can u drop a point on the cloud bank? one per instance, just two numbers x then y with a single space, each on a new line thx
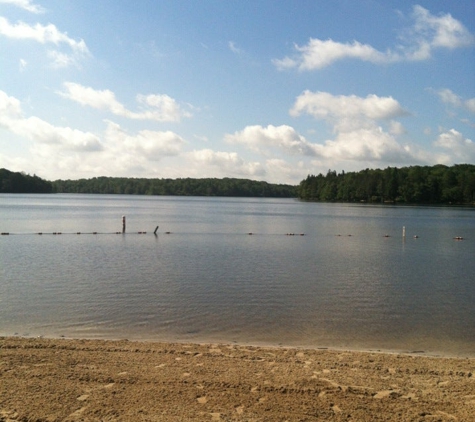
115 151
38 130
354 121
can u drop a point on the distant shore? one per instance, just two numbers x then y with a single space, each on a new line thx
89 380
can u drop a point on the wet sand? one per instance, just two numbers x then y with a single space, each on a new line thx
96 380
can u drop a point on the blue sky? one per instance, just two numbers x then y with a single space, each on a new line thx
257 89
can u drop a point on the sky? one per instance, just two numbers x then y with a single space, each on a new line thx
263 89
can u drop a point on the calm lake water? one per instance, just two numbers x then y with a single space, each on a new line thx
341 285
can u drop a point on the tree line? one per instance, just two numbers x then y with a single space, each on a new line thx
184 187
14 182
437 184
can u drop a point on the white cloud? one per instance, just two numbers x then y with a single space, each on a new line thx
396 128
366 144
226 164
323 105
160 108
38 130
282 171
22 65
321 53
67 152
462 150
233 47
450 98
428 32
441 31
123 154
10 107
40 33
102 100
355 122
261 139
47 34
60 60
357 135
163 108
24 4
370 143
470 104
147 144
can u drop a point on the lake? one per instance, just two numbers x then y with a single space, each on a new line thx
310 274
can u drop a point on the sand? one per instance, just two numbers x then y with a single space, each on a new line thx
95 380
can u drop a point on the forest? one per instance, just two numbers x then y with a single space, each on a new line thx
183 187
14 182
437 184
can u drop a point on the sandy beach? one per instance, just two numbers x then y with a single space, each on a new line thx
95 380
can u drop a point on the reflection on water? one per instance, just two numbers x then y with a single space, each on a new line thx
342 284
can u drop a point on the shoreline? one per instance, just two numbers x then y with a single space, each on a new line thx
79 379
465 354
